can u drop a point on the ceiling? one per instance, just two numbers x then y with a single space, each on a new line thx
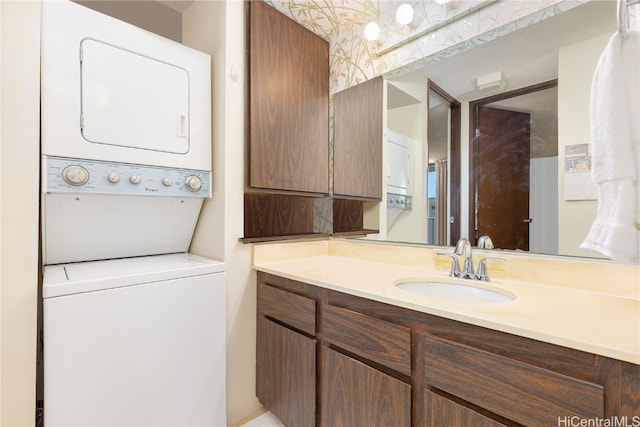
179 5
526 56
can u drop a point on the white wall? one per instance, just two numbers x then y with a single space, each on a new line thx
217 28
576 65
19 187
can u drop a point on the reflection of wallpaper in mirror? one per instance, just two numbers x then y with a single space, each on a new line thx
353 59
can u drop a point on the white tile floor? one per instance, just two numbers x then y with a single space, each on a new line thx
264 420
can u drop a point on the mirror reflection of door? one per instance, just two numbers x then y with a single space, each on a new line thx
514 164
443 182
502 177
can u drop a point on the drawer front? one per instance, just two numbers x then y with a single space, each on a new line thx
523 393
441 411
294 310
373 339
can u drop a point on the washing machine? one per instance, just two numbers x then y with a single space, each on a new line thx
135 342
133 324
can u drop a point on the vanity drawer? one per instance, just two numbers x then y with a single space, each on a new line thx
376 340
524 393
291 309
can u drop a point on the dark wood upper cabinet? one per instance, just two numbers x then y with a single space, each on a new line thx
357 149
288 104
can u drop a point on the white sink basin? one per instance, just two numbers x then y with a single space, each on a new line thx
455 291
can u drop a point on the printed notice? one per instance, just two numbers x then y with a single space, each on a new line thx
577 173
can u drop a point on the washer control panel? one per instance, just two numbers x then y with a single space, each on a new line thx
66 175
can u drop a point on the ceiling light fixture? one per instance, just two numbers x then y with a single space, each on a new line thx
372 32
404 14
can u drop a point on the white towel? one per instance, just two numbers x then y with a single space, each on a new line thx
615 149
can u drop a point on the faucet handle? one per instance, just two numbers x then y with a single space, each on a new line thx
482 268
455 267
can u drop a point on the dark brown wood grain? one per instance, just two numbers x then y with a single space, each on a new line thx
294 310
277 215
347 215
563 360
608 373
288 103
630 391
524 393
502 157
379 341
299 288
357 145
354 394
441 411
622 382
286 373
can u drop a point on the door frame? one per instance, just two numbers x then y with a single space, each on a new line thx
455 168
473 135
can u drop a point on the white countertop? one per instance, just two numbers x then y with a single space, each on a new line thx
584 319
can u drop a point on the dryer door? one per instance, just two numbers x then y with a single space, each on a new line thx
132 100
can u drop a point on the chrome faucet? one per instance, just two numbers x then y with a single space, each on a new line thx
463 247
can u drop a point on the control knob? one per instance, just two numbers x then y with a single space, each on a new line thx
135 179
113 177
75 175
167 181
193 183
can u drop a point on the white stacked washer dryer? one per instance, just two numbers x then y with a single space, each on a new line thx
134 325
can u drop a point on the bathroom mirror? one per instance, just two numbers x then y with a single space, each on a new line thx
565 48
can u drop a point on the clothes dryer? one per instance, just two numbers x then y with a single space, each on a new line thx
111 91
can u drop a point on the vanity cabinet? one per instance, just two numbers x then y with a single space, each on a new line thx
288 104
380 364
357 145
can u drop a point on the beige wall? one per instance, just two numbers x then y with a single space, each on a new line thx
19 181
217 28
576 65
150 15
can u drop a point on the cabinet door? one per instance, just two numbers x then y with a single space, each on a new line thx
440 411
286 373
524 393
357 147
288 104
354 394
